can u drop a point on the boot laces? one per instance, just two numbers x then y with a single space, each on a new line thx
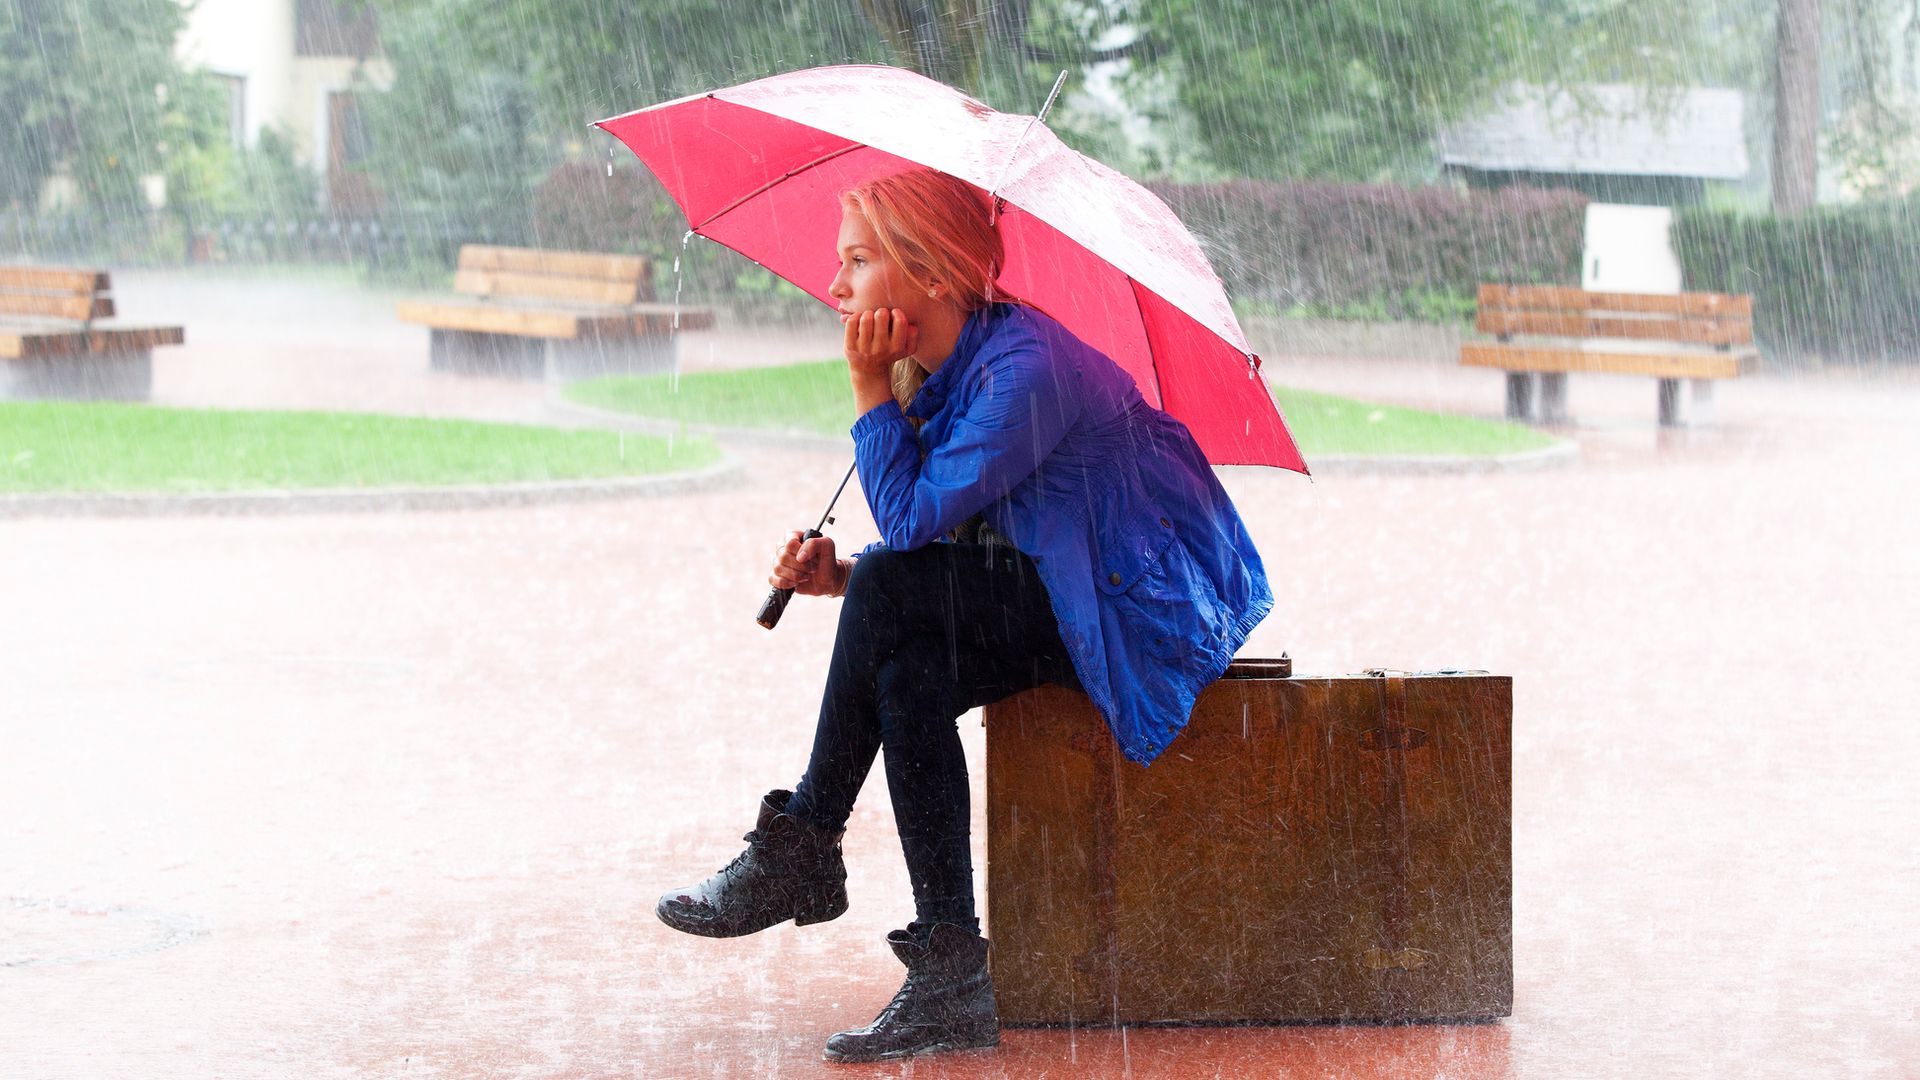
899 1002
733 868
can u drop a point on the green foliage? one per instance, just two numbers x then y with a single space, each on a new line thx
490 95
79 87
207 177
1455 305
1839 283
457 130
1368 252
1302 88
1871 132
1305 88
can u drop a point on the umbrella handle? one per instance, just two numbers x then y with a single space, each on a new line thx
776 603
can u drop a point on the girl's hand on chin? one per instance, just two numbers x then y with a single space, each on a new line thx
875 339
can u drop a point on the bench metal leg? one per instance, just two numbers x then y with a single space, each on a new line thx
1552 404
116 376
1700 402
592 358
1671 414
465 352
1520 395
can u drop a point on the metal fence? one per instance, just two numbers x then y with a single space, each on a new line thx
395 239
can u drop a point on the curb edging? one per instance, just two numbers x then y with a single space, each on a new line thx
726 472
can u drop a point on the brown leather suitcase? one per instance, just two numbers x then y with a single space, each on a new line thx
1314 848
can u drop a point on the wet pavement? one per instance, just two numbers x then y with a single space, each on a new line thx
371 795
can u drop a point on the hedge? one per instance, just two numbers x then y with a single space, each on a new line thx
1375 251
1341 250
586 206
1838 283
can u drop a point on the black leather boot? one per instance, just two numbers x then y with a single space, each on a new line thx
946 1004
790 870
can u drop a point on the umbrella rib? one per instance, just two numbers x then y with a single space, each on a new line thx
781 179
993 200
1152 364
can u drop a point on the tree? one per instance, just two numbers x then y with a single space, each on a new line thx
1302 88
1868 72
1796 109
81 85
490 95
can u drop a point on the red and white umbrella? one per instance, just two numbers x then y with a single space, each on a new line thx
760 167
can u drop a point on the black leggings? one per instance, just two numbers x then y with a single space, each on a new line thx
924 636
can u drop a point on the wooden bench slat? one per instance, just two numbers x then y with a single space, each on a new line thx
1663 365
1578 324
507 284
580 264
53 279
1561 298
81 308
28 345
523 322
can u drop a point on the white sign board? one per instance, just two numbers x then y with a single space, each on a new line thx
1628 250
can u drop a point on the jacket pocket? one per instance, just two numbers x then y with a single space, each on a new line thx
1129 550
1168 617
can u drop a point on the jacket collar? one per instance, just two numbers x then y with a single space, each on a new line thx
934 392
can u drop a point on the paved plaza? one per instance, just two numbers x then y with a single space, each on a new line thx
322 795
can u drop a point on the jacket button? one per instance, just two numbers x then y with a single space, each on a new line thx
1113 578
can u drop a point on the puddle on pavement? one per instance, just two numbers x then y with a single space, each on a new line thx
36 932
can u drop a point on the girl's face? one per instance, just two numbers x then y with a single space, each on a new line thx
867 279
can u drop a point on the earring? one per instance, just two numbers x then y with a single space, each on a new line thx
935 293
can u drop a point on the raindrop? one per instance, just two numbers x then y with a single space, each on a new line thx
677 280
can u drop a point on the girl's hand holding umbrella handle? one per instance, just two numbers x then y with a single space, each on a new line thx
806 564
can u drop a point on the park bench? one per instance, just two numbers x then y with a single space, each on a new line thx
56 340
557 315
1307 849
1699 337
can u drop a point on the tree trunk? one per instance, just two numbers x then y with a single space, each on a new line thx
944 41
1796 106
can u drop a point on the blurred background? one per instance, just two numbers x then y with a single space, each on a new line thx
1352 163
382 789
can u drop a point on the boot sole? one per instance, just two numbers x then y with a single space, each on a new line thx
949 1046
698 927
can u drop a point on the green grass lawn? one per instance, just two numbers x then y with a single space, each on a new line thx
816 397
1330 424
88 447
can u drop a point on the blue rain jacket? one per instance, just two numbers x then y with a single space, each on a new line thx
1150 571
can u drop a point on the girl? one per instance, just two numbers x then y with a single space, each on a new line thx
1040 523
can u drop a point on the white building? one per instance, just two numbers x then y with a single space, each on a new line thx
1615 143
291 65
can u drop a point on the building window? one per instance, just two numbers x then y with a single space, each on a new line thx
236 91
350 192
334 28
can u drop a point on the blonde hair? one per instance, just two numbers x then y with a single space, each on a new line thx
935 227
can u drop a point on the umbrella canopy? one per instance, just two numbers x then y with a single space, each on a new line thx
759 167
